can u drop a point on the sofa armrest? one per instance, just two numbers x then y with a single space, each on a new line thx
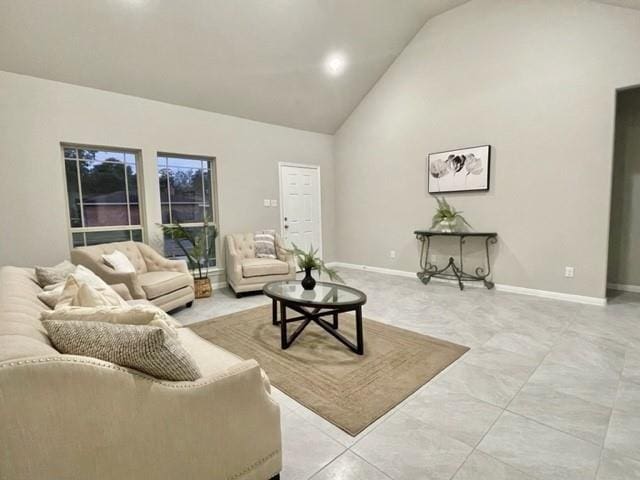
285 255
233 261
157 263
76 418
108 274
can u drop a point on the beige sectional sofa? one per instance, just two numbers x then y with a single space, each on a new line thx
78 418
246 273
165 283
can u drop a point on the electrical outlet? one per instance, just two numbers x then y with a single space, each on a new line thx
392 254
267 203
274 203
569 272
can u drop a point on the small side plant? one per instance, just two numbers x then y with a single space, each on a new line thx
447 218
310 260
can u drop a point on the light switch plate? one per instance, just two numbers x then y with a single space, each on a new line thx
274 203
267 203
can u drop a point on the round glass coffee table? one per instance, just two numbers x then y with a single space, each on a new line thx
326 299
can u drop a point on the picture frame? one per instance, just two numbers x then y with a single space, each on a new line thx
461 170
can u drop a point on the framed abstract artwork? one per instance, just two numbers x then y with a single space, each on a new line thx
462 170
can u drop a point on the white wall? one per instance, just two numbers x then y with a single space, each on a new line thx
535 79
36 115
624 241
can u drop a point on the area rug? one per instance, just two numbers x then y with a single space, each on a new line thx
351 391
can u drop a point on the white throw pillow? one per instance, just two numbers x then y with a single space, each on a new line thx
79 293
119 262
87 296
84 275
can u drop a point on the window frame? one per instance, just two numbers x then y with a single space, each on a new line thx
137 153
213 179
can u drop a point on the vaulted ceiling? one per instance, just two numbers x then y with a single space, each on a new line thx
257 59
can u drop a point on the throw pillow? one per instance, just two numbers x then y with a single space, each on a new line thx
265 244
119 262
78 293
138 315
143 348
52 275
87 296
84 275
50 297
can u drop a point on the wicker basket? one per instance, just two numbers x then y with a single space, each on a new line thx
203 287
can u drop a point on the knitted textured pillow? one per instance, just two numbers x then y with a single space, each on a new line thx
265 244
144 348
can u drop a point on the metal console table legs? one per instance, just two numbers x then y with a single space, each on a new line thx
454 270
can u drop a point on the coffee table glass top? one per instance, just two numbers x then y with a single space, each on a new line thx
324 293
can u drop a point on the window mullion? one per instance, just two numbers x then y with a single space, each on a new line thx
82 219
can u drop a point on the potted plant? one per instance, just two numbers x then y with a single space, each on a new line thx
197 249
447 218
309 261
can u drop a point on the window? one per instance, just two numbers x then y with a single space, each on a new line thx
186 197
102 190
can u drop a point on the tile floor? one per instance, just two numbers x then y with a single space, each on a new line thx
549 390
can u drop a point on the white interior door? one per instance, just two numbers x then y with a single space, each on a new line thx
300 205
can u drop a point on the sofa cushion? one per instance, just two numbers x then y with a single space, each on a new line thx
210 358
258 267
157 284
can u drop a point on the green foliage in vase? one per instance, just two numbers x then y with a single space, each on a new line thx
311 260
197 248
447 213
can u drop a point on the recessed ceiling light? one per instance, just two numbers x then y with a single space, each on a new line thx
335 64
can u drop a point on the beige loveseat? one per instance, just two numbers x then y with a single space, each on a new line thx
246 273
78 418
165 283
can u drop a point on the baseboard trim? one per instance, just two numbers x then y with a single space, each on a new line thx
567 297
624 288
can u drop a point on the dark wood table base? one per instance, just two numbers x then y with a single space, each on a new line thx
315 315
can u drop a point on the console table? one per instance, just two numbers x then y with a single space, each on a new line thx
429 270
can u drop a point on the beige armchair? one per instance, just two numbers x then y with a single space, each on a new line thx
246 273
165 283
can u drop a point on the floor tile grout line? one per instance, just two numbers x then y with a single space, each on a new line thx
506 408
327 464
369 463
551 427
606 433
572 322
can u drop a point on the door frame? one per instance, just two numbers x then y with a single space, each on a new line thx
319 187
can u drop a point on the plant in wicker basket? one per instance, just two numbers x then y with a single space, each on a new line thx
198 247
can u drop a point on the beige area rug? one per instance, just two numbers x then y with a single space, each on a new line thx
349 390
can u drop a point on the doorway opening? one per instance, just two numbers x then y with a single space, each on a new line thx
623 273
